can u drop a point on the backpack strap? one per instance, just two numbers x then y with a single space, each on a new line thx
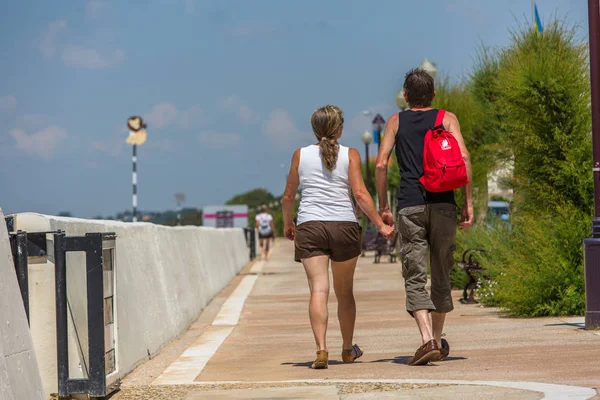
439 120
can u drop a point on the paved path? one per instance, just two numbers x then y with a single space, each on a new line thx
254 341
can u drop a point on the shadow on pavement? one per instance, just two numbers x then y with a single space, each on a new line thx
404 360
573 324
307 364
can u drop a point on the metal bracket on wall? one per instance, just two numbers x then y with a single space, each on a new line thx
24 245
251 241
91 244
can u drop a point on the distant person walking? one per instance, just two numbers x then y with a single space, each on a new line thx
266 231
426 220
328 229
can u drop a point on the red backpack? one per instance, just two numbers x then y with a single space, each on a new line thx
443 165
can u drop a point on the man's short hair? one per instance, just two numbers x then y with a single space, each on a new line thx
418 86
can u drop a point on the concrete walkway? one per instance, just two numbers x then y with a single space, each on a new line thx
255 341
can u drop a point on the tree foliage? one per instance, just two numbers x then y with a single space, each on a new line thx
535 106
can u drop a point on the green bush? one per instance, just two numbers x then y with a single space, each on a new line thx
535 100
538 266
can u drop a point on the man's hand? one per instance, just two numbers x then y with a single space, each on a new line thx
387 217
290 231
467 217
386 230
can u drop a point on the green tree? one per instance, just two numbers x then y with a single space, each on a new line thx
534 96
253 198
546 92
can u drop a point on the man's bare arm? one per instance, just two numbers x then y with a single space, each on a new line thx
452 125
381 165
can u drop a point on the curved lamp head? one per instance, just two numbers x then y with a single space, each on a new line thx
429 67
401 101
137 131
367 137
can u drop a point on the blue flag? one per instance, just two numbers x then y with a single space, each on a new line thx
538 21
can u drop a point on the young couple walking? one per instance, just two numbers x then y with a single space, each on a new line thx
328 230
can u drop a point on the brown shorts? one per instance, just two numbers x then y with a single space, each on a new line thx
341 241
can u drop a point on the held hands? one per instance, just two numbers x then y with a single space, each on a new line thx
387 227
387 217
289 231
467 217
386 230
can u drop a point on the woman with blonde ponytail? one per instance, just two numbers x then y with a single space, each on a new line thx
328 230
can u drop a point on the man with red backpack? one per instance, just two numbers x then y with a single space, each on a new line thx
433 161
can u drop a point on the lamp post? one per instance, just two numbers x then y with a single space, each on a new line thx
137 136
378 125
428 67
367 138
592 245
180 199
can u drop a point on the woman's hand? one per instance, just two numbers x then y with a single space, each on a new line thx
386 230
289 231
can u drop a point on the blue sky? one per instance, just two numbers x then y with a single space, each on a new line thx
226 87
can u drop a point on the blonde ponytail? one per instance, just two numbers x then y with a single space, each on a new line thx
327 123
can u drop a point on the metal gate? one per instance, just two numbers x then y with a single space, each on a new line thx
102 378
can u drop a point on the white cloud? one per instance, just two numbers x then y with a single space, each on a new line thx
95 8
83 57
48 41
112 145
360 122
162 114
78 56
219 140
7 103
190 117
234 104
280 127
165 114
41 143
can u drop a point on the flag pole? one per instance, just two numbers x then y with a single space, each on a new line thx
533 13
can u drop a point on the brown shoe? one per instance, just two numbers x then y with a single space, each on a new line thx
322 360
347 356
445 350
427 352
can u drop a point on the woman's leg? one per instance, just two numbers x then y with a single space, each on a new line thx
261 248
317 272
267 243
343 284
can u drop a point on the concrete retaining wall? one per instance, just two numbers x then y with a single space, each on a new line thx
19 374
165 276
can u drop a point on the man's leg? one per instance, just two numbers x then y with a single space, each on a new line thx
442 244
437 323
424 324
412 226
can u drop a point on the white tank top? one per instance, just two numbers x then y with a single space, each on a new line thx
326 195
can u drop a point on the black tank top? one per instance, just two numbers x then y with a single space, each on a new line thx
410 140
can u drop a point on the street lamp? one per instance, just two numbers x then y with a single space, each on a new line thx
180 199
137 136
401 101
378 125
592 245
367 138
429 67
